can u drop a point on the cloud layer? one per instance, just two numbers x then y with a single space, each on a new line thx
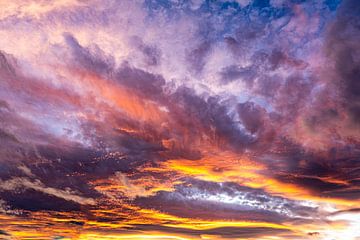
179 119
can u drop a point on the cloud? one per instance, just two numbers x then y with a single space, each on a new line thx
227 201
343 50
223 232
188 119
130 189
15 184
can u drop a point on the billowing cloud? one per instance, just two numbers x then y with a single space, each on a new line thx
179 119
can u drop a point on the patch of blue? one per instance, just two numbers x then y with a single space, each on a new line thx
333 4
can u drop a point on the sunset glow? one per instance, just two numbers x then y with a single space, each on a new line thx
180 119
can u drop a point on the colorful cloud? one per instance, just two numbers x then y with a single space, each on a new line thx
181 119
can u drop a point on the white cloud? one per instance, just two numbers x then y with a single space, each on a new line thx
244 3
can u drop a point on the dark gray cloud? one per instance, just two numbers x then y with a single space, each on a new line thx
343 48
197 56
4 233
93 59
226 201
36 201
151 53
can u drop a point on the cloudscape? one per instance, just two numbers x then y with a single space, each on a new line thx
180 119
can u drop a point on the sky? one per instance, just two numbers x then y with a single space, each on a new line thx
180 119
